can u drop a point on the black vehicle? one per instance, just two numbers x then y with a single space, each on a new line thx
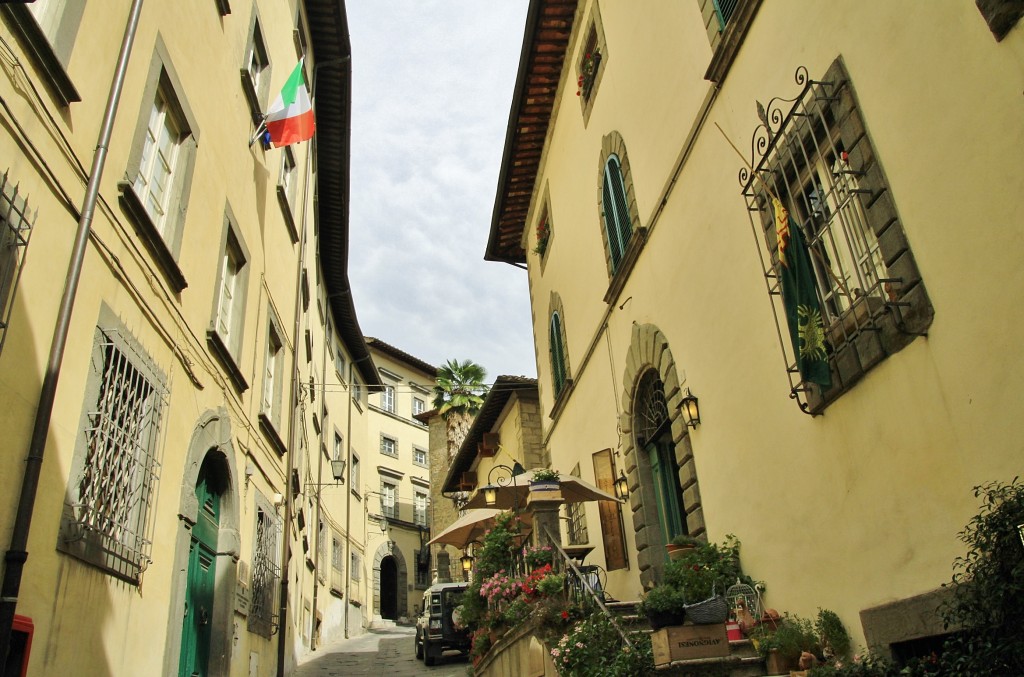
435 631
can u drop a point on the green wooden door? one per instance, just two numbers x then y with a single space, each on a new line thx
202 565
665 474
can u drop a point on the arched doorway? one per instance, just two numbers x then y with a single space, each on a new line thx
654 436
389 588
664 494
202 569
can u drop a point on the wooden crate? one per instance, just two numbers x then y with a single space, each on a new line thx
684 642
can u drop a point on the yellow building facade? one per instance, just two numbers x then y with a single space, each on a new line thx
655 275
187 518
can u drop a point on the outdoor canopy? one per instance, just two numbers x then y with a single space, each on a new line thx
514 493
471 527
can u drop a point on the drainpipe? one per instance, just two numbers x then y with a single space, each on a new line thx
319 487
17 553
296 423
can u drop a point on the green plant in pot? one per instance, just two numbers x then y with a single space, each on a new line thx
681 545
782 645
663 605
835 640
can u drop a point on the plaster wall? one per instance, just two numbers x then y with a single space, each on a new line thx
860 506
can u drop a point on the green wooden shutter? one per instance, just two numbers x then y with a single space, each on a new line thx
618 225
557 354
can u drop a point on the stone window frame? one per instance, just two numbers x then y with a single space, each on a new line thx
79 536
726 40
256 51
649 349
613 144
394 445
594 29
874 327
49 56
287 185
426 457
165 250
559 396
228 350
272 421
1001 15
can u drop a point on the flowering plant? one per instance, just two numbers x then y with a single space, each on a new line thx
588 69
545 475
594 646
543 233
538 556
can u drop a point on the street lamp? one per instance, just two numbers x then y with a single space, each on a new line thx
491 490
690 409
621 485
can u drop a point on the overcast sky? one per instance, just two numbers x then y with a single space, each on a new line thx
432 86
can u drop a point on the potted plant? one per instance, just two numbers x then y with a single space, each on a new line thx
782 645
663 605
835 640
544 479
703 574
681 545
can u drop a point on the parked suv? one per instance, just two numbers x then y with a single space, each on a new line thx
435 631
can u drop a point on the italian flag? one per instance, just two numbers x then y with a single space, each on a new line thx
290 118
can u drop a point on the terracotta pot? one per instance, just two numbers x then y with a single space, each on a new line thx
777 664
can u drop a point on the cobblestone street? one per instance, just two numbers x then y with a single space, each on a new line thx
385 652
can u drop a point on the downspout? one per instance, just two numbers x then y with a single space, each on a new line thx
296 416
348 501
319 485
17 554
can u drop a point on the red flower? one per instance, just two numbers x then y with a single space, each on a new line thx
565 615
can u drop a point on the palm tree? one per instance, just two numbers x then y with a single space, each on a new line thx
458 396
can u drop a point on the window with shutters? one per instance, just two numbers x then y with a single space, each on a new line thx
224 336
620 218
50 29
270 418
389 499
419 509
387 399
561 381
107 519
618 228
158 179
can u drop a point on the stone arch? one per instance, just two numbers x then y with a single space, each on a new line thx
211 436
390 549
649 350
613 144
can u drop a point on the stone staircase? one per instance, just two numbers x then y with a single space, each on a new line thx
742 661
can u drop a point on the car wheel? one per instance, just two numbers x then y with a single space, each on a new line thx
428 656
419 647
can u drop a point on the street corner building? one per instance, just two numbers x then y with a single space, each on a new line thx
765 243
198 505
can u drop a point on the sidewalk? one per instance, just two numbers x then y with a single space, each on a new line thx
385 652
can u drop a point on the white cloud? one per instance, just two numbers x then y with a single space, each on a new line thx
432 86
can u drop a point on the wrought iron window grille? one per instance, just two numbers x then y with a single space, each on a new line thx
15 232
108 520
265 576
811 152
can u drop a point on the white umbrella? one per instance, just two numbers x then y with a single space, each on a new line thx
470 527
513 493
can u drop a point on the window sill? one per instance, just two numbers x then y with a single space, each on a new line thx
227 360
35 43
270 431
286 210
626 265
146 229
562 398
224 7
732 40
